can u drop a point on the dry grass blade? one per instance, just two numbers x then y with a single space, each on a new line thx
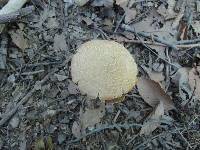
152 94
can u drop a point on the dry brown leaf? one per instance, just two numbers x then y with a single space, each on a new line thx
152 93
181 79
130 14
19 40
122 3
194 81
153 120
152 25
76 129
92 116
153 75
168 12
60 43
73 88
196 26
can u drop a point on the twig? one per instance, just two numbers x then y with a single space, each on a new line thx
159 44
104 127
11 17
39 64
184 139
30 73
119 23
8 115
188 41
148 35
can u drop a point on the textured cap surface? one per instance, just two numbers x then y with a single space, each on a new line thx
103 69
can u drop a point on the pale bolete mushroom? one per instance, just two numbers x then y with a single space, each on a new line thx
103 69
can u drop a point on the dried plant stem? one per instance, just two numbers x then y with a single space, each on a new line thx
159 44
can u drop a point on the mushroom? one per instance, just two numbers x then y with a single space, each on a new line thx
103 69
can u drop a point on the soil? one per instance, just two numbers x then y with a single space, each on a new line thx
49 114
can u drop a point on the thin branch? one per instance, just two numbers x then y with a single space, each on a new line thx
148 35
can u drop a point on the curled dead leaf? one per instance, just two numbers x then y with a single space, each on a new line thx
76 129
152 93
153 121
194 81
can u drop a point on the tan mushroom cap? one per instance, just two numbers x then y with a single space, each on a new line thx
103 69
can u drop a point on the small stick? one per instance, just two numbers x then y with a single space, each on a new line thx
11 17
159 44
148 35
188 41
8 115
30 73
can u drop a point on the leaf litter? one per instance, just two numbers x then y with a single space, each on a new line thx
45 41
153 120
152 93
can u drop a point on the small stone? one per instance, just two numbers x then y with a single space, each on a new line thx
14 122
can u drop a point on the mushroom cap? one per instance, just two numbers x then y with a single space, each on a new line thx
103 69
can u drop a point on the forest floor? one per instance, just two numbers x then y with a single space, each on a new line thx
42 109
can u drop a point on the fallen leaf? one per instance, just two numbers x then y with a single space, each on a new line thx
153 75
155 25
130 14
152 94
19 40
194 81
196 26
153 120
167 12
181 79
76 129
92 116
122 3
60 43
73 88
